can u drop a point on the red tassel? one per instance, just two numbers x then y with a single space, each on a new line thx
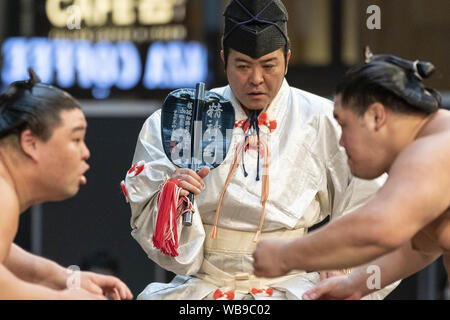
165 237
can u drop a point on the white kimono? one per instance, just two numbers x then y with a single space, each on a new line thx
309 180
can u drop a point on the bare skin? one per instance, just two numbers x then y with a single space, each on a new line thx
34 171
409 215
256 82
401 263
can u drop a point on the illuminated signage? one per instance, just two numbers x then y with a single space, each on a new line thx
123 12
109 47
102 65
116 20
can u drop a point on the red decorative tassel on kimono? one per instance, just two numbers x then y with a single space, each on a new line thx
170 207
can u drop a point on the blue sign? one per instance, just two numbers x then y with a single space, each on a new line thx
103 65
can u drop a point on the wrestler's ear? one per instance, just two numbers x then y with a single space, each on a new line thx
29 143
376 115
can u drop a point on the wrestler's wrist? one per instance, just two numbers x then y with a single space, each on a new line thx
356 281
56 277
285 255
46 273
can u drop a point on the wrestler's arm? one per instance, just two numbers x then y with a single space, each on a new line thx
394 266
414 195
21 264
35 269
13 288
38 270
368 278
14 278
142 192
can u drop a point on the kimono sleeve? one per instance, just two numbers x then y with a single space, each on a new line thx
142 186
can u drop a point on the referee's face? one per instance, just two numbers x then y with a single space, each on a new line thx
256 82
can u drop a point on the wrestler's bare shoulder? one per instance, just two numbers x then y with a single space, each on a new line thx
438 123
9 218
431 145
421 174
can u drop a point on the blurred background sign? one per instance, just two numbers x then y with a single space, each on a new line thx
98 48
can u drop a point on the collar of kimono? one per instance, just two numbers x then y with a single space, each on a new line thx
251 126
271 117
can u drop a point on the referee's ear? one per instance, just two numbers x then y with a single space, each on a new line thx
222 57
288 57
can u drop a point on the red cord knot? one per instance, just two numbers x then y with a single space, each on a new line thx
262 121
268 291
218 294
229 295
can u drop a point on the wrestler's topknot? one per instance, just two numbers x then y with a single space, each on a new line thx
34 105
394 81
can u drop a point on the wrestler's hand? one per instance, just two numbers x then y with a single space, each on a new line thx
108 286
191 181
78 294
269 259
334 288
